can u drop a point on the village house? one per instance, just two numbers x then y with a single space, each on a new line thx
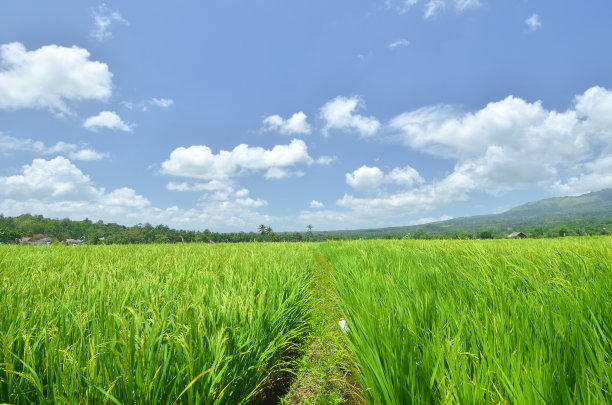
72 242
517 235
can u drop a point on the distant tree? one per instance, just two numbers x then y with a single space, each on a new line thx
9 236
309 227
484 235
463 235
420 234
271 234
262 229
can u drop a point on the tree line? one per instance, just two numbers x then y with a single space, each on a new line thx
94 233
97 233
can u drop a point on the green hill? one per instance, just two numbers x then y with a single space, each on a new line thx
588 213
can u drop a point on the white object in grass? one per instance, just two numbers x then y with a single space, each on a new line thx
343 326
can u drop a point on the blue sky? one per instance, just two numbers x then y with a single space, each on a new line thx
341 114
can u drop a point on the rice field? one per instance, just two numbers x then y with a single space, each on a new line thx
191 324
441 322
478 322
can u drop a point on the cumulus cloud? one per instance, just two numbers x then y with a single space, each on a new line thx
399 43
104 19
533 23
280 173
296 124
108 120
316 204
341 113
124 197
87 154
199 162
57 178
50 77
75 152
58 188
213 185
508 145
365 179
515 144
369 180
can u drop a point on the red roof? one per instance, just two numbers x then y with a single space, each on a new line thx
25 239
40 235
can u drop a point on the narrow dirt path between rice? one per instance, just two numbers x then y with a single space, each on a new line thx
323 374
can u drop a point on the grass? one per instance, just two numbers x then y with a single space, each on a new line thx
152 324
444 322
478 321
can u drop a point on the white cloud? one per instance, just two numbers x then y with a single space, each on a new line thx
213 185
108 120
365 179
462 5
103 20
56 188
433 8
161 102
429 220
316 204
125 197
44 179
199 162
75 152
399 43
400 5
297 124
507 145
514 144
533 22
87 154
326 160
50 77
369 180
340 113
279 173
58 181
251 203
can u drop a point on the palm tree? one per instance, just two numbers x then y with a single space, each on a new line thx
309 227
262 229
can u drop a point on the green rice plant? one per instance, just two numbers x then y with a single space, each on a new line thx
189 324
472 322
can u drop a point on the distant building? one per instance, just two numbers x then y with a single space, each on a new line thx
46 241
40 236
25 239
73 242
517 235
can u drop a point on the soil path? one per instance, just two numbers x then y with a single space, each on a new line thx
323 375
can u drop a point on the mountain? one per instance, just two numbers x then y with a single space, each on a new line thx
588 212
